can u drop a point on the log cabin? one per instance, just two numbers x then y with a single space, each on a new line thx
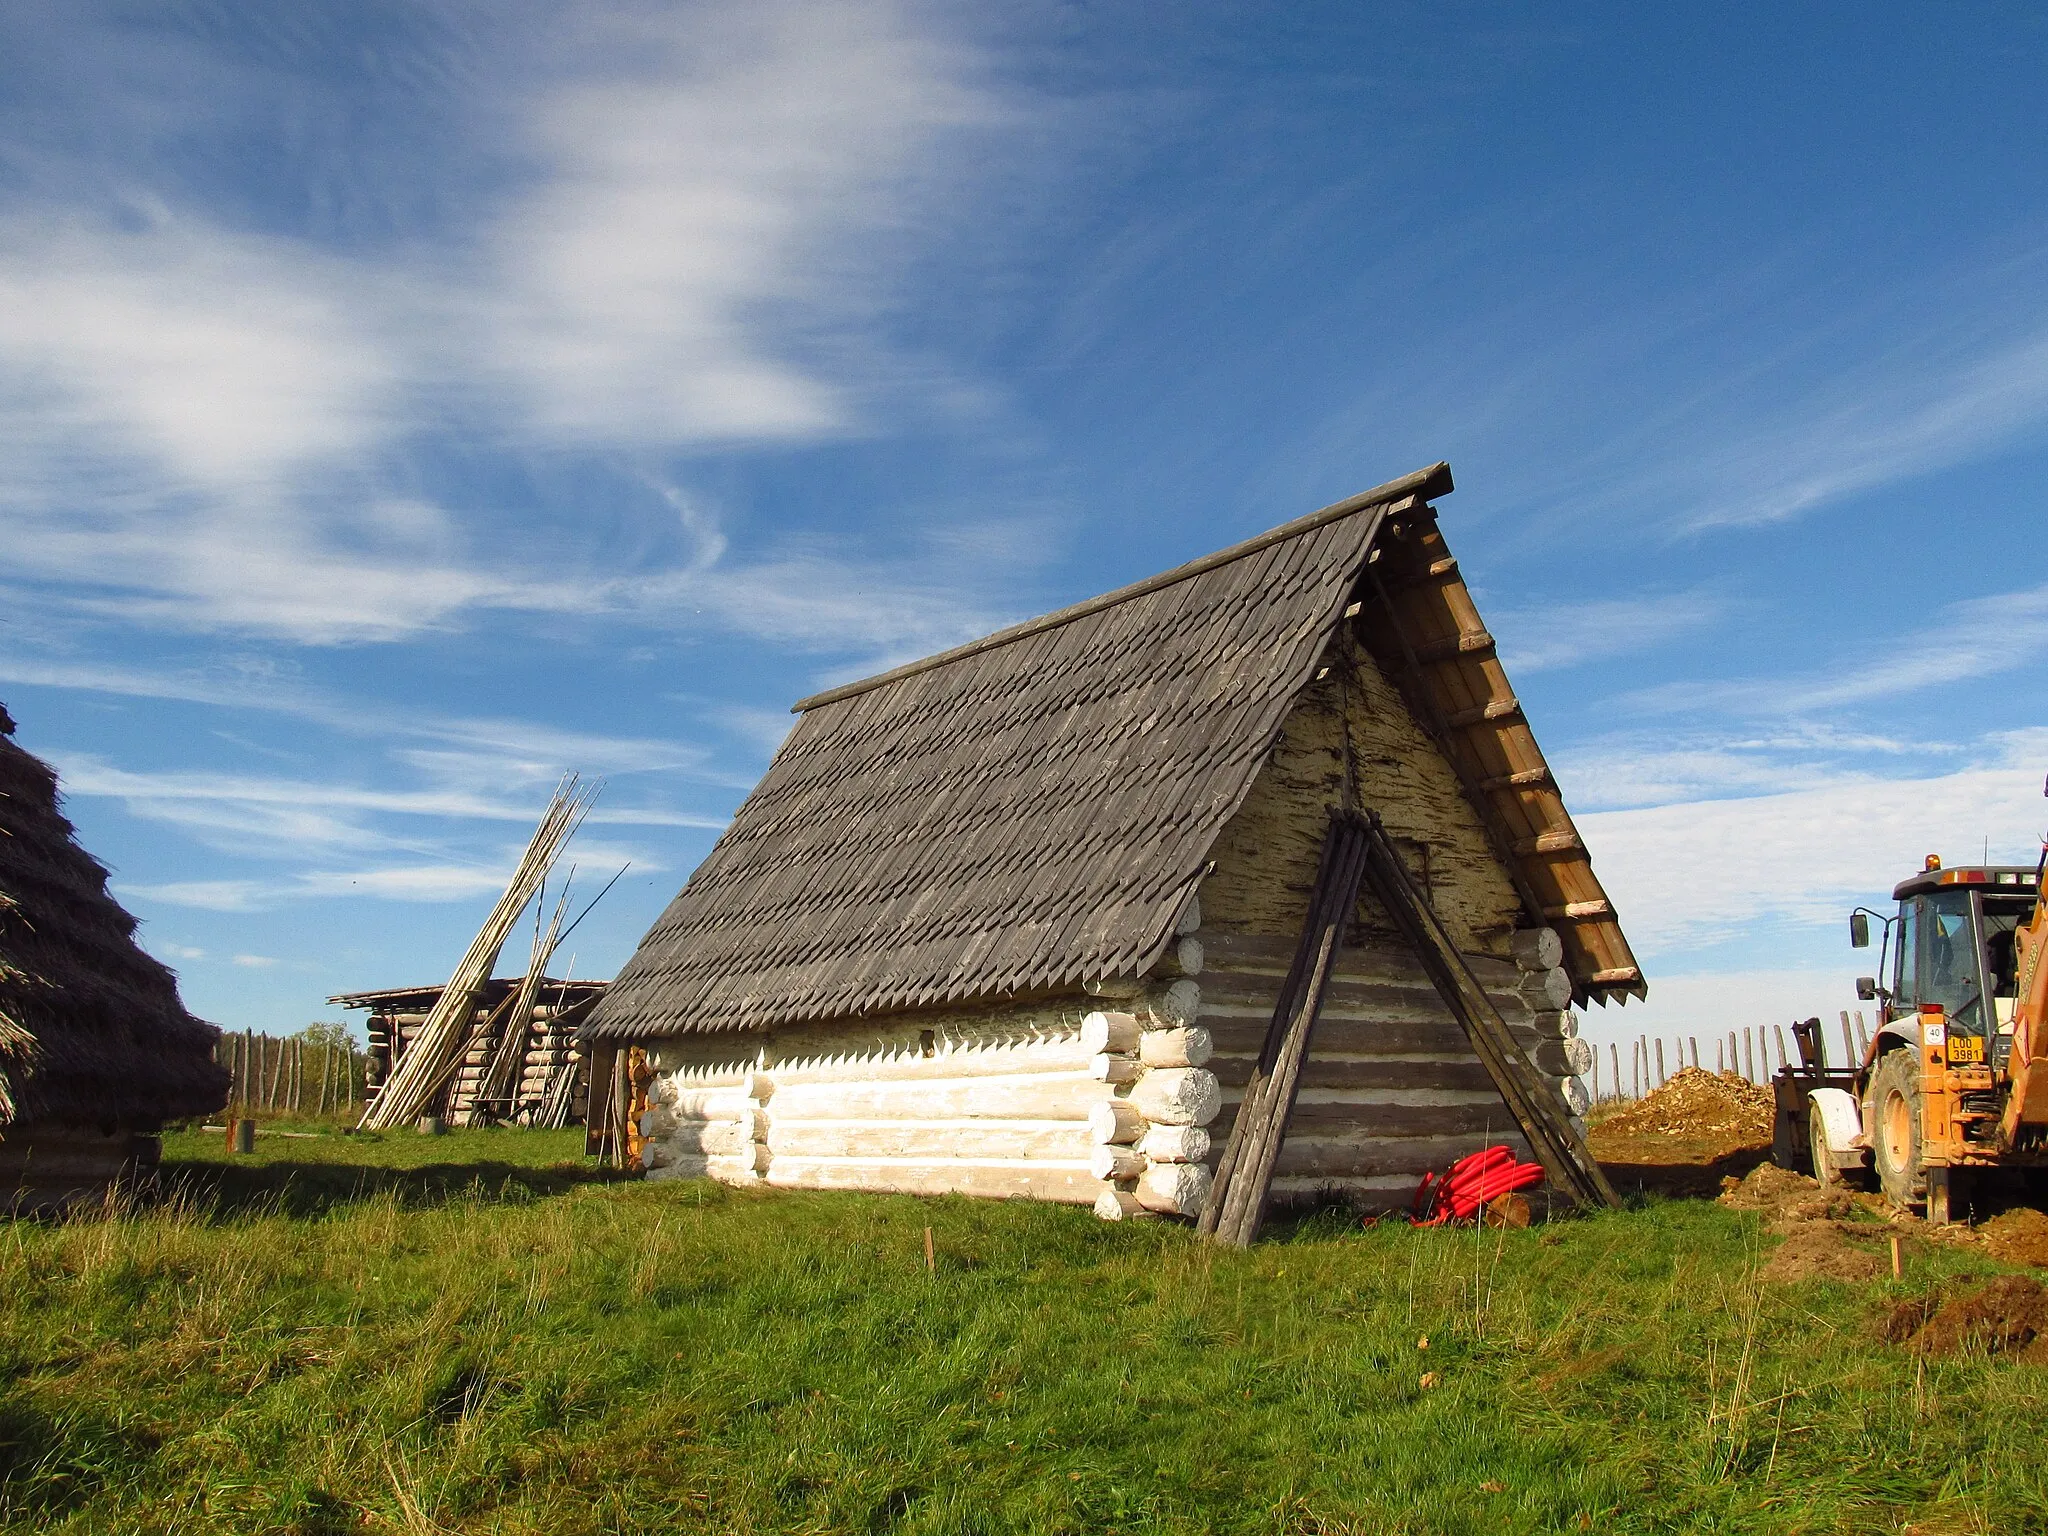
97 1051
1012 920
511 1071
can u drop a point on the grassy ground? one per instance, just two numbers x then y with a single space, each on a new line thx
492 1337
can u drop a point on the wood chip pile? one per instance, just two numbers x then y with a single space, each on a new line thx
1698 1103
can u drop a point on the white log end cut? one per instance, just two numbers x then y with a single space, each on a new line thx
1117 1205
1537 949
1548 991
1109 1067
1115 1122
1104 1030
1573 1091
1558 1024
1174 1006
1175 1144
1178 1096
1183 957
1179 1188
1113 1162
1175 1047
1190 918
1563 1058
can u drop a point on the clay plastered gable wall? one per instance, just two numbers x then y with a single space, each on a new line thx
1266 855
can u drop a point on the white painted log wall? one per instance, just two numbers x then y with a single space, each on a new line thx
987 1102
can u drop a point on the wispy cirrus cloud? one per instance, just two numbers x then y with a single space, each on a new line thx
210 426
1567 634
1977 637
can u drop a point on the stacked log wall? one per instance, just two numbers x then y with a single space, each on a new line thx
1392 1088
549 1046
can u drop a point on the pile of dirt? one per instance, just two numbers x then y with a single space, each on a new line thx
2007 1316
1699 1105
1823 1252
1821 1242
1785 1198
2017 1236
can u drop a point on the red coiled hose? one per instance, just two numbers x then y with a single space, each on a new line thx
1458 1193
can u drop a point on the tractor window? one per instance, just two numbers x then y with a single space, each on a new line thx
1949 971
2001 959
1905 991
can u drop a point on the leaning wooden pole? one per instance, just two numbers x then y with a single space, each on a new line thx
437 1049
1552 1137
1243 1187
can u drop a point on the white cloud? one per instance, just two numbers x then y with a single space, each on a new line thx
1930 402
1664 766
419 882
1688 875
1560 635
204 428
1978 637
255 962
228 360
693 189
402 883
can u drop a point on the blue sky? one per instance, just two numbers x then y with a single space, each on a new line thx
400 404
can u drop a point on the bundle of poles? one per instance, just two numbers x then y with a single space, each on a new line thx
437 1050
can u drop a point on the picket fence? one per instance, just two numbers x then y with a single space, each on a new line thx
290 1073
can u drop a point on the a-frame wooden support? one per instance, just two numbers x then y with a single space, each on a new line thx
1243 1187
1356 851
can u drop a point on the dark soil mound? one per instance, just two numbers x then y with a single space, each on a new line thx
2007 1316
2018 1236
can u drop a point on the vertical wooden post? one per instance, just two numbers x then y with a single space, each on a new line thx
1596 1077
1614 1064
1660 1061
1849 1051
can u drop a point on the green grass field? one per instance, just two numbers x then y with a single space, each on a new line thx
480 1332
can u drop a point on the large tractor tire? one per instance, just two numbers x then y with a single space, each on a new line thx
1892 1121
1818 1161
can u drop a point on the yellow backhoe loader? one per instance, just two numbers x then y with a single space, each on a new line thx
1955 1078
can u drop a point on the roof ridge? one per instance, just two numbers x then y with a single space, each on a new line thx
1422 483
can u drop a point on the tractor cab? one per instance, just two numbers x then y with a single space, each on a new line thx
1951 950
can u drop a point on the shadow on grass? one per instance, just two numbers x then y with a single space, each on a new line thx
228 1190
1680 1177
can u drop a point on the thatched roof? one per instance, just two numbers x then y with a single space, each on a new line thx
1033 810
91 1028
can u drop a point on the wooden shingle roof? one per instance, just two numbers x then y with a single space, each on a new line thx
1023 813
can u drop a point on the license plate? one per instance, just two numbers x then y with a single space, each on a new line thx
1966 1048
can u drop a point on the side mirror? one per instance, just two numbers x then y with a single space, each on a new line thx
1866 989
1859 931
